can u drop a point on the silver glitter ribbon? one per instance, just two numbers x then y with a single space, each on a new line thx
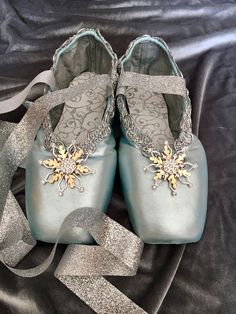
161 84
13 103
82 267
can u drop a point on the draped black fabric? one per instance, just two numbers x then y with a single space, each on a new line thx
198 278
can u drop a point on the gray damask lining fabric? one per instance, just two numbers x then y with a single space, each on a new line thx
84 112
139 87
149 113
92 135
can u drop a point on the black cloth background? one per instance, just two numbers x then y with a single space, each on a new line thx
200 278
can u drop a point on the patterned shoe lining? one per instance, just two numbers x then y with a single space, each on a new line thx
83 113
153 113
149 112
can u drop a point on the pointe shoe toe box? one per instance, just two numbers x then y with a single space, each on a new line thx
156 215
46 210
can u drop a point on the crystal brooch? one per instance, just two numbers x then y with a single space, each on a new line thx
66 167
170 167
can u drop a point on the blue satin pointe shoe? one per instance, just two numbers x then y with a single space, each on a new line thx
72 162
163 166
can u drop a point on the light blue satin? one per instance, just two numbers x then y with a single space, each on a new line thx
156 215
46 210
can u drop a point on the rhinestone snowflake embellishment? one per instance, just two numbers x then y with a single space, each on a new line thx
171 167
67 167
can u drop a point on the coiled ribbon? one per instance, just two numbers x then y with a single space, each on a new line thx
82 267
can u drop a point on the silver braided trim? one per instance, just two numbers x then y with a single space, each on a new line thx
82 267
185 137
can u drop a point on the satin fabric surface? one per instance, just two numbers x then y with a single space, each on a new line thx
171 279
156 215
46 209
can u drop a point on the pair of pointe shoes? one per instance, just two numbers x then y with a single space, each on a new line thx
73 160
